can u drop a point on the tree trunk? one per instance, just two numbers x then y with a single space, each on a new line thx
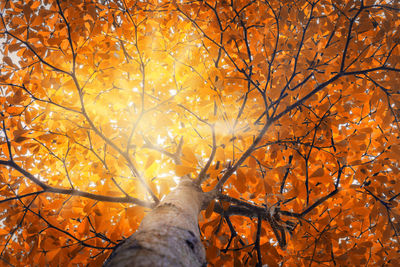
168 235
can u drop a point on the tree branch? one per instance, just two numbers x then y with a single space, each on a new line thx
75 192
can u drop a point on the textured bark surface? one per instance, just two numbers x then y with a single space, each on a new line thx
168 235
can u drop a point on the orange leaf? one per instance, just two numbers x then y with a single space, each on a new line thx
15 111
210 209
50 255
4 231
267 186
241 176
83 227
318 173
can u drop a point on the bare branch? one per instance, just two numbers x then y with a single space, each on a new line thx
203 173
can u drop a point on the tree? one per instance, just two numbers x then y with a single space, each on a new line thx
274 125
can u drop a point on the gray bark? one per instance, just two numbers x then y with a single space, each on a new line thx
168 235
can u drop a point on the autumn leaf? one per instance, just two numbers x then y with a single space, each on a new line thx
317 173
278 121
4 232
209 209
182 170
189 156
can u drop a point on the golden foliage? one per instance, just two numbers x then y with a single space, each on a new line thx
290 108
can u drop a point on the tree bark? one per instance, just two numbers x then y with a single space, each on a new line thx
168 235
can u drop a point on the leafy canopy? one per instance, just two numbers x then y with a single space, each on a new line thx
289 109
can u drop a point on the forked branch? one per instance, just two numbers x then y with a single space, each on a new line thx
74 192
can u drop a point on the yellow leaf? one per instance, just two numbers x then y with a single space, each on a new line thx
188 155
182 170
149 161
220 154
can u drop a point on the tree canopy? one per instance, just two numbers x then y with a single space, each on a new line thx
288 110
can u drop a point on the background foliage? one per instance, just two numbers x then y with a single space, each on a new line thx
106 103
